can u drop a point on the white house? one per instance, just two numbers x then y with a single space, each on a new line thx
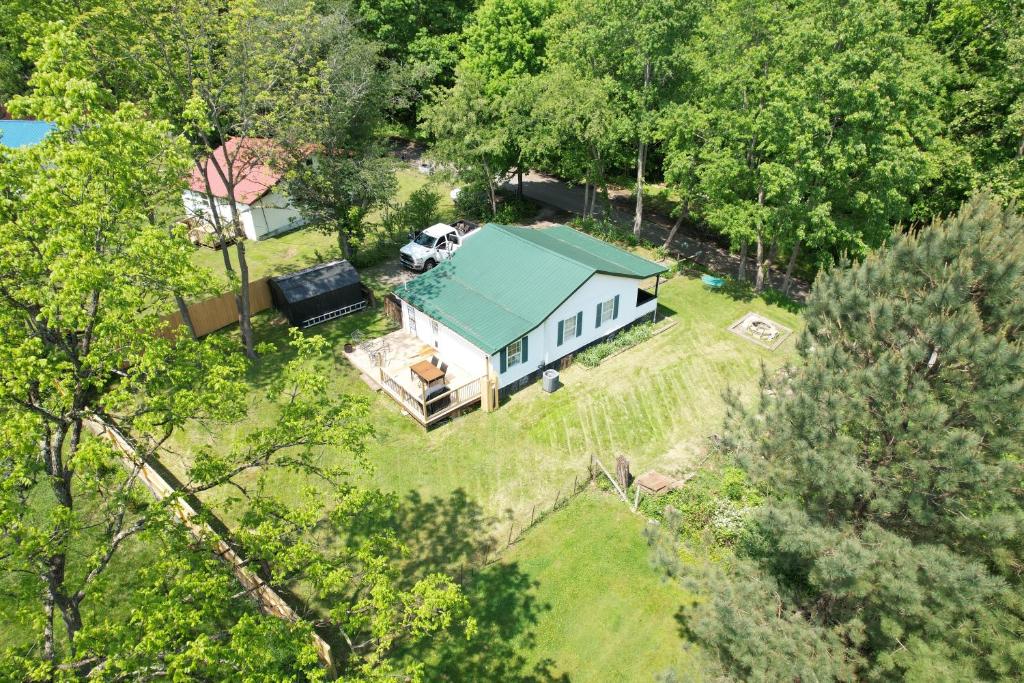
515 301
263 209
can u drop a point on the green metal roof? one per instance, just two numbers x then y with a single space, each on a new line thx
505 281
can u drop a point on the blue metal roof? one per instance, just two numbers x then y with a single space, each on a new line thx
23 133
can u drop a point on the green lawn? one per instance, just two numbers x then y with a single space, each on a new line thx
576 595
608 615
656 404
304 247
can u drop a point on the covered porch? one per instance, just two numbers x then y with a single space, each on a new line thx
428 386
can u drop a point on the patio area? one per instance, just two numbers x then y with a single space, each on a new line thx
428 386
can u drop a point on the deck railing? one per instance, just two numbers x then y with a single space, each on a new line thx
432 409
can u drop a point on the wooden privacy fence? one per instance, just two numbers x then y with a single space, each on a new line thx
267 598
212 314
393 308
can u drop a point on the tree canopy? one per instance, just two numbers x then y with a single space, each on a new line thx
890 541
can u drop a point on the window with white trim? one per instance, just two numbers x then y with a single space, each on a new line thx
514 353
569 327
607 310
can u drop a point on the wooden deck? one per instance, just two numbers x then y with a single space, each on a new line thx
387 362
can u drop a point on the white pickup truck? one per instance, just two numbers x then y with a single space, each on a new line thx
435 244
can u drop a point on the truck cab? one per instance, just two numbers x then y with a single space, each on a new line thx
435 244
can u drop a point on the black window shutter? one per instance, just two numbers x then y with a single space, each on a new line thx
579 323
525 349
615 308
561 331
598 323
503 360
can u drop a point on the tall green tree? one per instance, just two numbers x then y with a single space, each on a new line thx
84 277
476 124
469 134
890 545
637 43
246 71
806 125
983 40
577 127
82 274
336 167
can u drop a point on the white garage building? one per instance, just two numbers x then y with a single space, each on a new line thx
264 210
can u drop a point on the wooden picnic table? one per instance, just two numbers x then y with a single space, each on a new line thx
426 372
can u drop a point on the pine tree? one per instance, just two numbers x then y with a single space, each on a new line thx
891 457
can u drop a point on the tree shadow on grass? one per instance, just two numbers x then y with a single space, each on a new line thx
742 291
453 535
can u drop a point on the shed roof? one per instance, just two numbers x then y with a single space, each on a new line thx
316 280
16 133
505 281
250 162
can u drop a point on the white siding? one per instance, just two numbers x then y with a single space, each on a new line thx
269 215
543 341
542 344
273 213
452 347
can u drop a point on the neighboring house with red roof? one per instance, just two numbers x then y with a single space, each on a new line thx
263 208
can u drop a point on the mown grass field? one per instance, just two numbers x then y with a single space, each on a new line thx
606 614
576 598
656 404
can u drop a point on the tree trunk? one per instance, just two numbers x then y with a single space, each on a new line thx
787 281
742 276
242 300
60 482
586 198
519 185
47 626
675 226
759 275
773 252
343 243
641 161
186 317
215 220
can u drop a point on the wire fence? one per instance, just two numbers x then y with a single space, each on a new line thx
512 529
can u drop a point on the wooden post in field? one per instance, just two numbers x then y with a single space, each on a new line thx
622 494
532 513
622 472
636 498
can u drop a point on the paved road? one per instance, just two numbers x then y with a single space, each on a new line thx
686 245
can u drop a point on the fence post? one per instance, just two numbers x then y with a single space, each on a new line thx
511 526
575 483
532 512
557 495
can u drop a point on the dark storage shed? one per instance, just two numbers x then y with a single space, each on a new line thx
318 294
